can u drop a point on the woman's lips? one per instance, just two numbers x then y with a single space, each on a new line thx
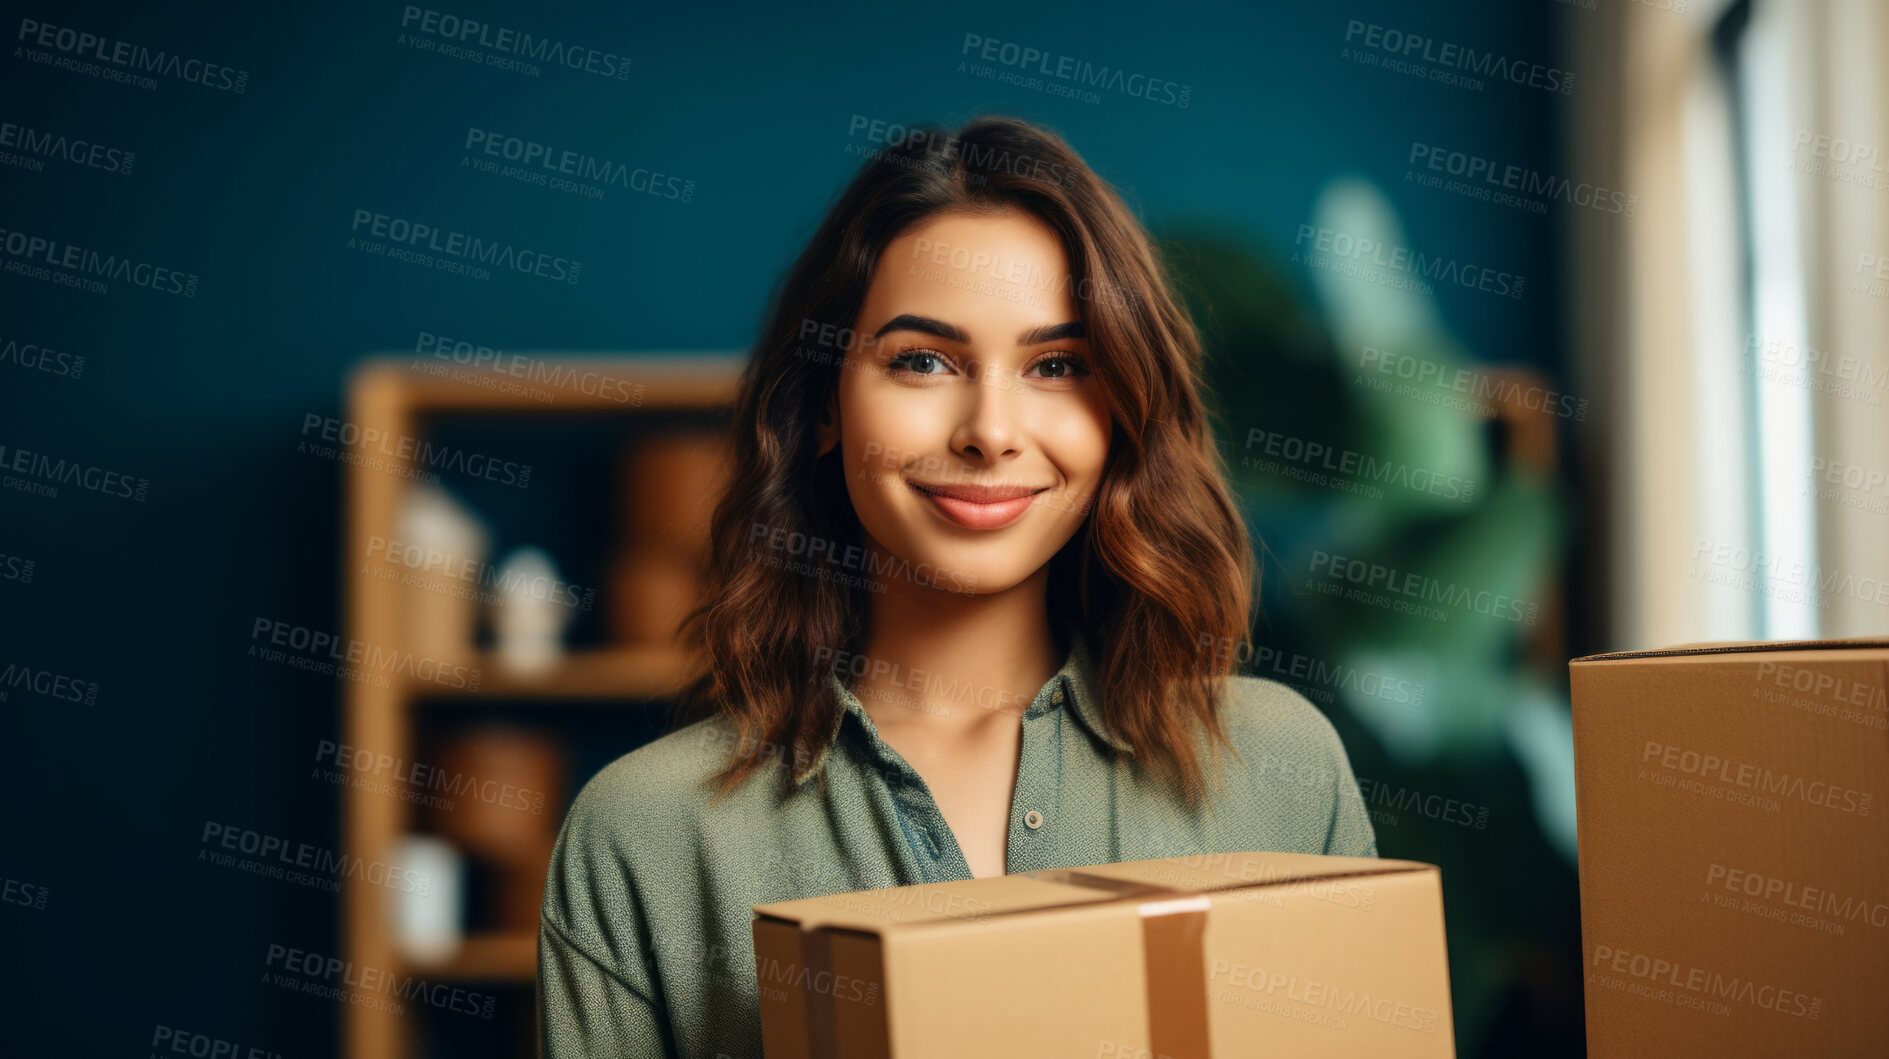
998 511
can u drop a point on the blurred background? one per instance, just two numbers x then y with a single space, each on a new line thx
333 562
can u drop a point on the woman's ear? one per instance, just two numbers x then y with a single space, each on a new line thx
828 429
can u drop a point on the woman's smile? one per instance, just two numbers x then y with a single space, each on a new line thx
979 507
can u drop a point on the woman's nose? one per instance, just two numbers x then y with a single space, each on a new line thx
992 412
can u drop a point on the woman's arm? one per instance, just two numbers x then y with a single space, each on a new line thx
1297 768
596 993
1351 833
586 1007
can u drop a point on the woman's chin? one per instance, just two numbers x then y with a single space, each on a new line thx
953 571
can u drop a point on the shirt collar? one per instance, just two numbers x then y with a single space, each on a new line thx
1076 680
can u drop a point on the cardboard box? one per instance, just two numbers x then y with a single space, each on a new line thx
1225 955
1734 857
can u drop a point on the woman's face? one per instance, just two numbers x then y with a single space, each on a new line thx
972 429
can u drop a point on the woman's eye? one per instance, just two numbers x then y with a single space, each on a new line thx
918 362
1062 367
931 362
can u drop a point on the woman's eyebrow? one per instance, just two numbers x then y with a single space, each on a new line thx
924 325
950 333
1053 333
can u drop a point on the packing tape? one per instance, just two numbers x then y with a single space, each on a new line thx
1174 957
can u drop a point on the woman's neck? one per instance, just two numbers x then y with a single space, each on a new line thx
955 663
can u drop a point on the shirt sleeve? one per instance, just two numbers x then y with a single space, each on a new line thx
585 1008
1351 833
596 992
1298 769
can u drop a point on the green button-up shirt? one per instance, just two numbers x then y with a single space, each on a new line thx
645 945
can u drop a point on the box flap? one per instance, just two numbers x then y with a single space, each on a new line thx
898 908
1210 872
874 910
1738 647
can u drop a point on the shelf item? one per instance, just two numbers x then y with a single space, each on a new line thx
506 785
435 540
652 588
528 617
429 908
671 481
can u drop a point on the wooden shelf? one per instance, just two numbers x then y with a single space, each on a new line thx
607 673
496 957
401 397
556 384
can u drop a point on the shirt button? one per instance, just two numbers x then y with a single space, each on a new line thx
1033 819
1056 696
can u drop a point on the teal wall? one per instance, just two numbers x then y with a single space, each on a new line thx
255 194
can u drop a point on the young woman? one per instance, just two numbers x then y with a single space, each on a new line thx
976 592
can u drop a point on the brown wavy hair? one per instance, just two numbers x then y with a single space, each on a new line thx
1161 566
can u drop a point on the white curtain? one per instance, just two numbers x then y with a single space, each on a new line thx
1738 455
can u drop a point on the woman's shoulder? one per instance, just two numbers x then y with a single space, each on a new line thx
661 787
1270 718
1286 746
633 834
1293 767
